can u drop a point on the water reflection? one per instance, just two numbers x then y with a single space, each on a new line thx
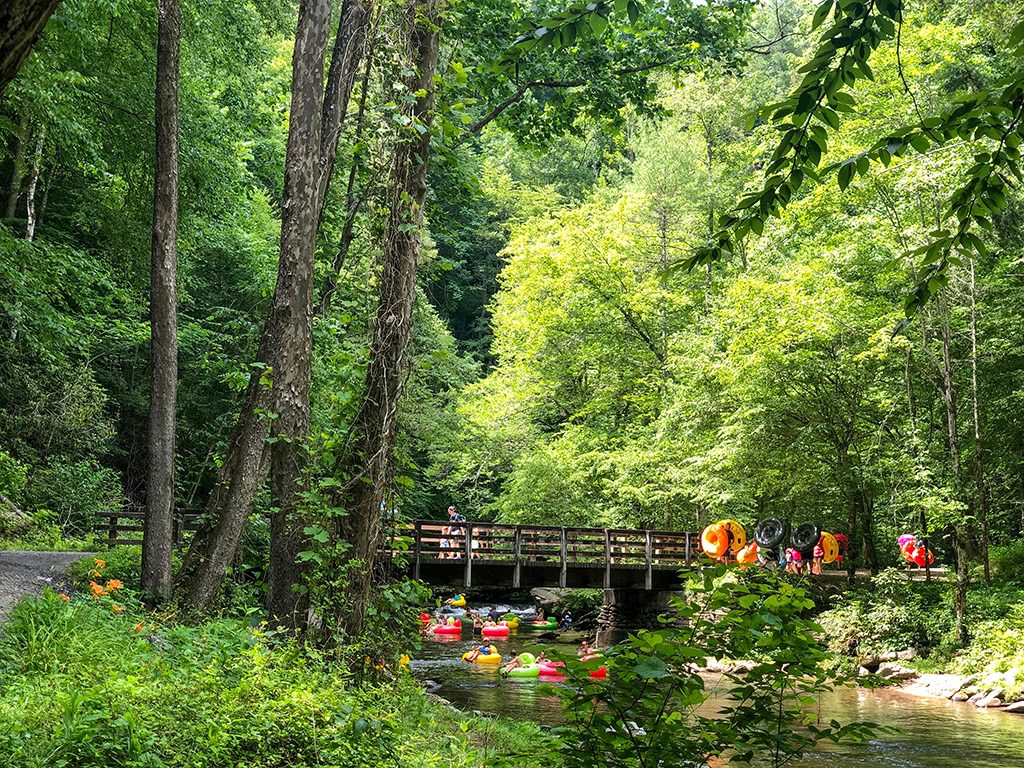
934 733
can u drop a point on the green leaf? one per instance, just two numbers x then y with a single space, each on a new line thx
598 23
633 11
651 668
845 175
821 14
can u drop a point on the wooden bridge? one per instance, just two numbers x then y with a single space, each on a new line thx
486 554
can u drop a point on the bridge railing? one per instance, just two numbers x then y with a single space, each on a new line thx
525 546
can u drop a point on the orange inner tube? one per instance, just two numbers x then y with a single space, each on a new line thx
714 540
737 534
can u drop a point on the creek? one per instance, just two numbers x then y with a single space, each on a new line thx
931 733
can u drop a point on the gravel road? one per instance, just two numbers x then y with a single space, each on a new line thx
26 573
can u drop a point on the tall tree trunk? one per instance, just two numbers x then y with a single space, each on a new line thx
248 456
18 169
980 500
953 444
33 183
158 540
292 312
21 23
377 420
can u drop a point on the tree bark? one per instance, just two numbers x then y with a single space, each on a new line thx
158 539
33 183
292 312
18 169
248 456
21 23
953 444
980 500
377 420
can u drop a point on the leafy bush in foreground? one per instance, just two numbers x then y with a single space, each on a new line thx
85 687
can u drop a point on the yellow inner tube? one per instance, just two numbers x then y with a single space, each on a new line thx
714 540
511 621
738 535
458 602
485 658
830 547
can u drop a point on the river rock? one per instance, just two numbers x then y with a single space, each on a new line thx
1016 707
895 672
992 699
959 697
907 655
863 671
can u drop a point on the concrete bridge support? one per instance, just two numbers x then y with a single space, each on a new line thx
629 609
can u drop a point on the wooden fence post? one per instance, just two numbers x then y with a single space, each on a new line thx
564 558
112 530
469 555
649 560
687 549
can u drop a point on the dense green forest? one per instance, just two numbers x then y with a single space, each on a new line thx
304 269
560 369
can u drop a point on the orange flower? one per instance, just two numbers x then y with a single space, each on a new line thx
64 597
117 608
94 574
97 590
140 627
100 563
114 584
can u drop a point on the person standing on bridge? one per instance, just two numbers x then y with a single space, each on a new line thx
450 530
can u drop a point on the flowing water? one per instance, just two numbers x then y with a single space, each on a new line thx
932 733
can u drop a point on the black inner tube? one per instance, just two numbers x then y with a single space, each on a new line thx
805 537
770 533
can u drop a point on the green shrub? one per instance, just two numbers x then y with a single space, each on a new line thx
84 687
13 475
76 491
1008 563
123 563
892 615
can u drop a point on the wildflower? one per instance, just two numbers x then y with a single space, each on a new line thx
94 574
117 608
97 590
100 563
64 597
114 584
140 627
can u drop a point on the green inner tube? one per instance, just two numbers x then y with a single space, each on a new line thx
530 670
549 624
526 658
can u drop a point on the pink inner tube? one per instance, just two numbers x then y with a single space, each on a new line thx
446 629
552 667
499 631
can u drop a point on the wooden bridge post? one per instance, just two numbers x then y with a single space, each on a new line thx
607 559
564 558
687 549
417 535
649 560
517 547
469 555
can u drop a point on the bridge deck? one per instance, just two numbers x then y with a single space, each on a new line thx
546 556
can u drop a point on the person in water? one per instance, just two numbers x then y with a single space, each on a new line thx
584 649
478 624
483 650
514 664
566 621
